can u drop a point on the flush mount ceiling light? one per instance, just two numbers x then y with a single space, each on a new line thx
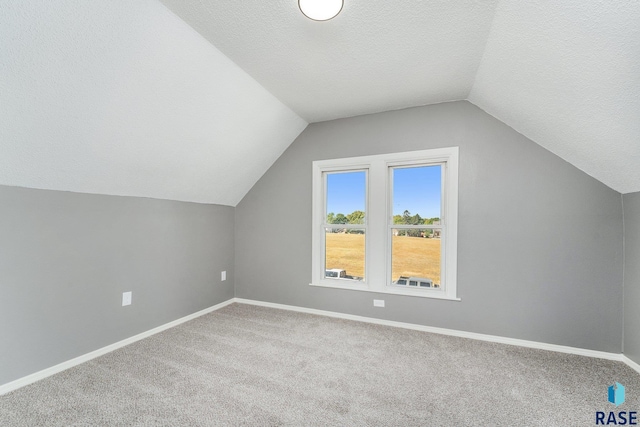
320 10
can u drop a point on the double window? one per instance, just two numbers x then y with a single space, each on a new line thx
387 223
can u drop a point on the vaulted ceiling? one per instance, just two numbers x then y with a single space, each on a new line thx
127 98
564 73
122 97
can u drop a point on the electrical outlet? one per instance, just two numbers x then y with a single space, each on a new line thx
378 303
126 298
223 276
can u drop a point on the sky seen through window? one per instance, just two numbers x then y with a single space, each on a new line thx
416 189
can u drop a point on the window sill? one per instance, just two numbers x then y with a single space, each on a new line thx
388 290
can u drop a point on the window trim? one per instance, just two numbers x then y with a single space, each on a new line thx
379 223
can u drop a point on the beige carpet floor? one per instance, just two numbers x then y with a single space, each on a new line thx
256 366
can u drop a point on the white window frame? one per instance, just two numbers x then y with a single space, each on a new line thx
379 221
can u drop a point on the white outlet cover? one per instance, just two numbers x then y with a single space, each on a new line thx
223 276
378 303
126 298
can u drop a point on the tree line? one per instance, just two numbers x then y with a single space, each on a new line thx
357 217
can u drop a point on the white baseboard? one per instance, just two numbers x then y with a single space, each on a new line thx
21 382
482 337
630 363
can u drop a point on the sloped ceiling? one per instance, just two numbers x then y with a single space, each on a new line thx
375 56
122 97
126 98
565 74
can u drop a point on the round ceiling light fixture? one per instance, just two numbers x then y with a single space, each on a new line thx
320 10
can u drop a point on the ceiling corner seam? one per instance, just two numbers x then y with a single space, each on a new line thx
484 50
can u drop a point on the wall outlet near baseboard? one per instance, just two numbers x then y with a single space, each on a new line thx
378 303
223 276
126 298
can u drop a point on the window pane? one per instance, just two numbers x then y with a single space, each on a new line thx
346 195
417 195
415 257
344 253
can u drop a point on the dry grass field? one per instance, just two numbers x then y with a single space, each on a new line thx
412 256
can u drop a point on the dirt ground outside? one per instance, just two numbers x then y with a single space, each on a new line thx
411 256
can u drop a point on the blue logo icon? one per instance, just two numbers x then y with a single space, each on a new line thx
616 394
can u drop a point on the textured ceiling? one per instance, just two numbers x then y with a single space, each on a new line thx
122 97
565 74
126 98
374 56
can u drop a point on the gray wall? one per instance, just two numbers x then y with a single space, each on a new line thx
632 276
540 242
66 258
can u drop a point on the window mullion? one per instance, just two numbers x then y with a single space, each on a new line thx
376 231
